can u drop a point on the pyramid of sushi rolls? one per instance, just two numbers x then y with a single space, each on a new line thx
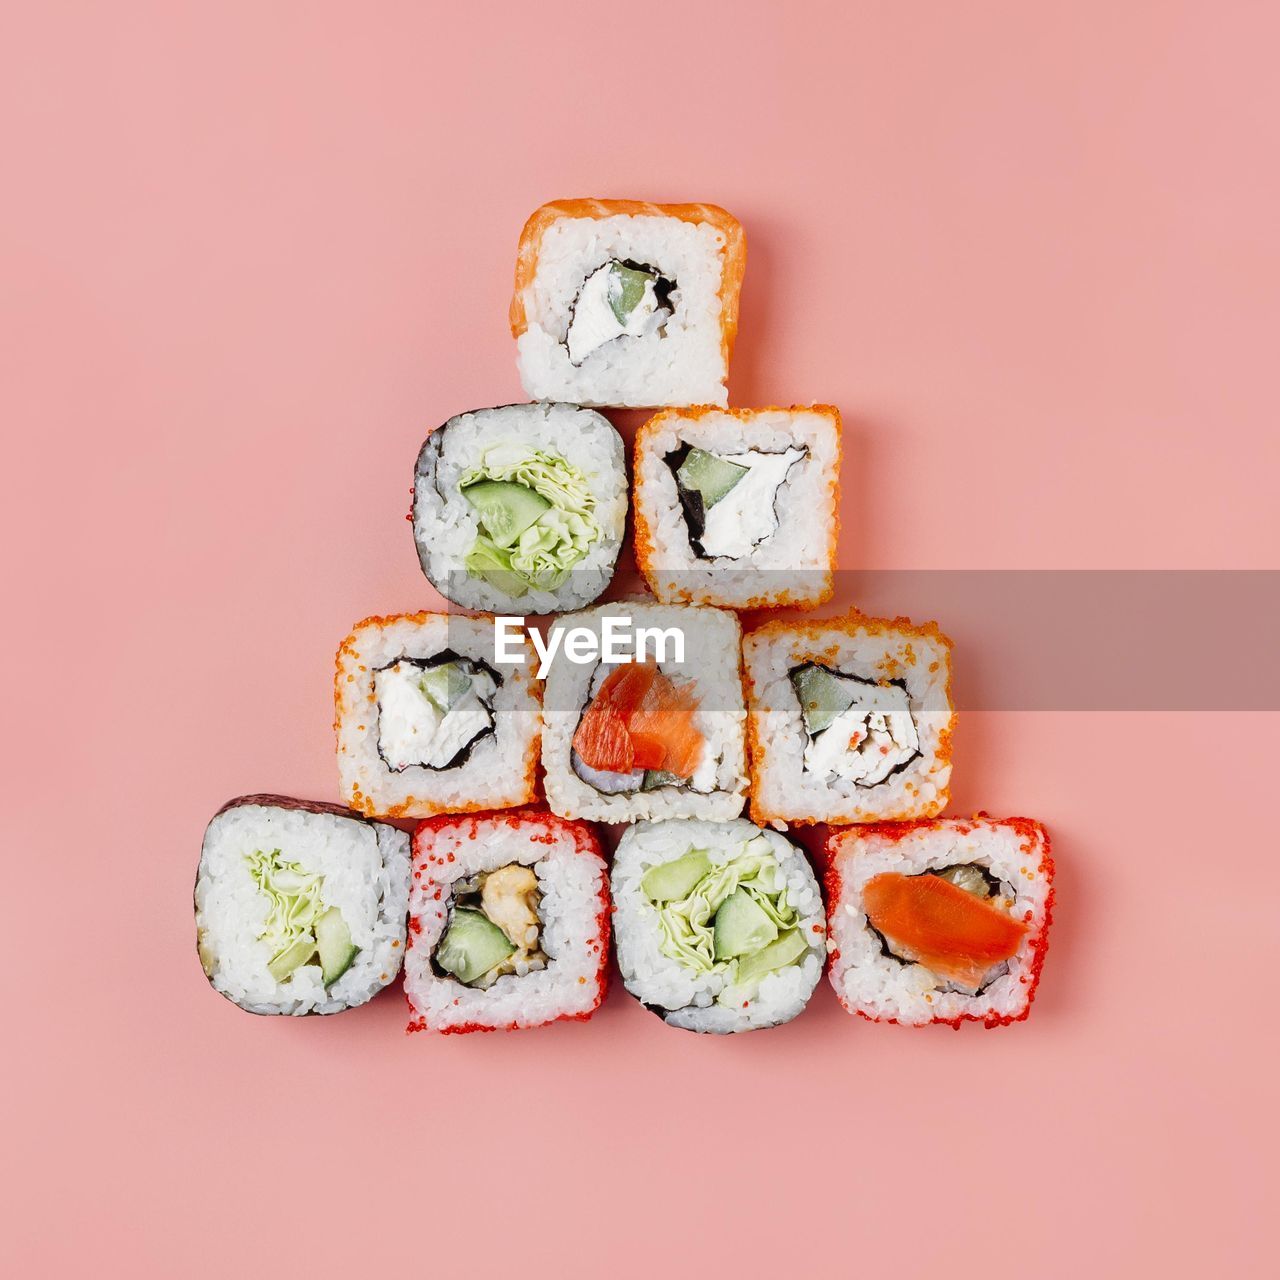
500 905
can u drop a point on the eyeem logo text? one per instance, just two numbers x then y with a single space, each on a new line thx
618 641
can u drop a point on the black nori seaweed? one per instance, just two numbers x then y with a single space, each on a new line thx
463 754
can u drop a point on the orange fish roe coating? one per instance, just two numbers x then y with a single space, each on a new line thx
734 254
880 649
503 777
783 575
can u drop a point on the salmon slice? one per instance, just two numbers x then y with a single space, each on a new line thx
640 719
627 686
664 721
602 741
951 932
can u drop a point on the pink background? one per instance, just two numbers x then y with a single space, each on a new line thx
252 252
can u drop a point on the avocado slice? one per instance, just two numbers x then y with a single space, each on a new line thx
506 509
708 475
444 685
822 696
472 945
778 954
333 942
741 926
292 957
671 881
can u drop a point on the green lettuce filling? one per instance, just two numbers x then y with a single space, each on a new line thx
542 554
733 918
299 928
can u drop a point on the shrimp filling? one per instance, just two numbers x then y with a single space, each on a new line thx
495 927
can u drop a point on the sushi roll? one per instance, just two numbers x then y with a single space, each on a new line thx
429 721
520 509
508 922
300 907
657 736
940 921
625 303
738 507
850 720
719 925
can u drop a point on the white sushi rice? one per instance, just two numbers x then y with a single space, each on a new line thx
684 998
870 649
712 661
881 987
445 524
572 880
499 769
684 363
794 564
365 866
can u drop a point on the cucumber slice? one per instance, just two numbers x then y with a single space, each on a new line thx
505 509
655 778
333 942
629 291
472 945
822 696
783 951
444 685
742 926
293 957
671 881
708 475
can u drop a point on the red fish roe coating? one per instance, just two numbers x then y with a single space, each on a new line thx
435 871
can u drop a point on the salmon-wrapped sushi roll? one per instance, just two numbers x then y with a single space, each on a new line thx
940 921
508 922
626 303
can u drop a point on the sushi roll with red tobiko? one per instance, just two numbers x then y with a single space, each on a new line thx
940 921
508 922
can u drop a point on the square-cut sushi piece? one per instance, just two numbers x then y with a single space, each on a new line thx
719 925
626 303
430 721
300 907
521 509
655 734
850 720
939 921
738 507
508 922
